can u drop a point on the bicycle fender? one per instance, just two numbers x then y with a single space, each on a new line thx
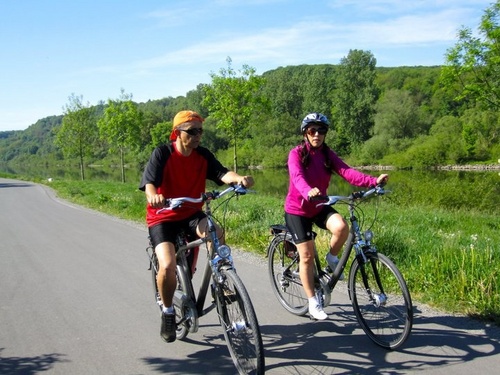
186 306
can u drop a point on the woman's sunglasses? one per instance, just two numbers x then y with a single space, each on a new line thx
193 131
313 131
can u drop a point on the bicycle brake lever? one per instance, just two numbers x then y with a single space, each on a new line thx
380 190
358 194
327 201
169 205
240 189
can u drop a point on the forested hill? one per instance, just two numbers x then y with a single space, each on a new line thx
413 121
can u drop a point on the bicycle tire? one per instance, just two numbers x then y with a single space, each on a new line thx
388 323
239 323
283 267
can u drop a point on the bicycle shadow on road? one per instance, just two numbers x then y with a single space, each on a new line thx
339 346
450 340
209 355
29 365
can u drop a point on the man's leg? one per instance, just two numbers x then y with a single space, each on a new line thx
166 281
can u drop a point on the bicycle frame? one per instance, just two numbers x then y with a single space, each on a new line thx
352 242
212 266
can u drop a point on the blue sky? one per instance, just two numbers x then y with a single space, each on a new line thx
153 49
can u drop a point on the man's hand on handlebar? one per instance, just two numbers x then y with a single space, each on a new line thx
156 200
246 181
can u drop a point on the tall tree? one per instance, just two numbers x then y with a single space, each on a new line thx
354 99
398 116
231 98
78 132
317 90
285 91
120 126
473 65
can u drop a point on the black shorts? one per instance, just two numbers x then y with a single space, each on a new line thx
300 227
168 230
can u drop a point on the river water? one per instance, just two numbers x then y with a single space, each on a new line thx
273 181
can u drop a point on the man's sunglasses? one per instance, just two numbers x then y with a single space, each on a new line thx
193 131
313 131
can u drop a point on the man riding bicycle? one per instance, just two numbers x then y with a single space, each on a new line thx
179 168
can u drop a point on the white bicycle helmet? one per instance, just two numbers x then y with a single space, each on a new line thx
314 118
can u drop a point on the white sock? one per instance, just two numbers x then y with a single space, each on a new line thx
168 310
313 301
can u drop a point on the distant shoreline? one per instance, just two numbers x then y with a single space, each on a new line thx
472 167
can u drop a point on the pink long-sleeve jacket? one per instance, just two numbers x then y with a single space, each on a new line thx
315 175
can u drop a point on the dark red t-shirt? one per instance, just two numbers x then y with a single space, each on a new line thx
176 175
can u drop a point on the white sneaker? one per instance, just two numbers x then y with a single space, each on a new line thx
316 311
333 262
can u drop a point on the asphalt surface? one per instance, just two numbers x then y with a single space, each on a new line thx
76 298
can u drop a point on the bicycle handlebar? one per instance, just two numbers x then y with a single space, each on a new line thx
173 203
330 200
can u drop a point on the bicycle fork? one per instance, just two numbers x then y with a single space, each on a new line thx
378 299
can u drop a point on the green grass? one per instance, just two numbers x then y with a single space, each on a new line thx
449 257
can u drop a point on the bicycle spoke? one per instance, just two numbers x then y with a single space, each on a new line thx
385 317
239 322
284 275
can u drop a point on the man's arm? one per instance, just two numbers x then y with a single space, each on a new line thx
154 199
234 178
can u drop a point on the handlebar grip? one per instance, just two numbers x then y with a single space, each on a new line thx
322 198
358 194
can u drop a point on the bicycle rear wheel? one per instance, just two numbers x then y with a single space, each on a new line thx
381 300
283 267
239 322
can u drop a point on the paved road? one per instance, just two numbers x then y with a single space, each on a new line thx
76 298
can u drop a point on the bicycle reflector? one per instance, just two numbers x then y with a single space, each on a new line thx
224 251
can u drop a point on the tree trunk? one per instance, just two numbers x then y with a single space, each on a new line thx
122 162
235 159
82 169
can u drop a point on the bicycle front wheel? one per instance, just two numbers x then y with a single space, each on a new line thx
239 322
381 300
283 267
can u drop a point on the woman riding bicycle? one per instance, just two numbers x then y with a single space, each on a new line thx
310 166
179 168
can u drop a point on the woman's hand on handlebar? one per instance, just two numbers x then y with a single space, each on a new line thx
314 192
382 179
